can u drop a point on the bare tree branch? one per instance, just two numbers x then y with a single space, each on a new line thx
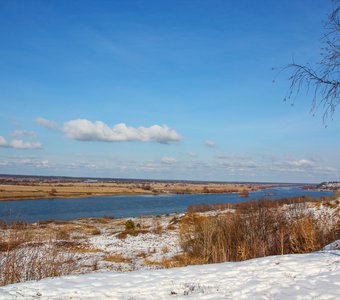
323 80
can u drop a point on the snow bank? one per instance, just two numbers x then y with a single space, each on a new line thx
304 276
333 246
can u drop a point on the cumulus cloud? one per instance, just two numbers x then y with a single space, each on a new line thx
46 123
210 143
85 130
19 144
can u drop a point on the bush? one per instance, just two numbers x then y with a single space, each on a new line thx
62 235
255 230
22 258
34 263
130 225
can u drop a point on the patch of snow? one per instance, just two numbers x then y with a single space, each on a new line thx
333 246
299 276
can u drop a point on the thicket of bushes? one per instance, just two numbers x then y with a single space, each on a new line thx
255 229
23 256
203 207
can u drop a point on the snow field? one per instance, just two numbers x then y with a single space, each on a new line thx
154 246
299 276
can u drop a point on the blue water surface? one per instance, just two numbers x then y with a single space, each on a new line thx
130 206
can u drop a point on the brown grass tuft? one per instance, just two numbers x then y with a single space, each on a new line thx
118 258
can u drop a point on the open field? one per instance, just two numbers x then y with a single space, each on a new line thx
35 188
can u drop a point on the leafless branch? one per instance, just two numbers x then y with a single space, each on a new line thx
323 80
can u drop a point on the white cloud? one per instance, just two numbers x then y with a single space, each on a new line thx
19 133
301 163
19 144
27 161
85 130
210 143
168 160
43 164
3 142
46 123
4 163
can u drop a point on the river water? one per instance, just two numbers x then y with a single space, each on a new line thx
130 206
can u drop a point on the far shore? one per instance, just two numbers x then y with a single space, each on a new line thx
28 190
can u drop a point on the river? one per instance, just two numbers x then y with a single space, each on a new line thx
130 205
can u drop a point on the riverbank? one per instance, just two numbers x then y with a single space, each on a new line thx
28 190
54 248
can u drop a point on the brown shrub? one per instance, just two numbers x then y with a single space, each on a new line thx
258 229
304 235
62 235
9 245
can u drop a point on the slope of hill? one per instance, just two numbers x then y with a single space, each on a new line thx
304 276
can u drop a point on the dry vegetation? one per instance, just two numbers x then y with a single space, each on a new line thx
206 234
255 229
54 248
41 189
30 253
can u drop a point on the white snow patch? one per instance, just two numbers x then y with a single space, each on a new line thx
333 246
300 276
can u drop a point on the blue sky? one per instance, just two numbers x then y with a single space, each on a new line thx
162 89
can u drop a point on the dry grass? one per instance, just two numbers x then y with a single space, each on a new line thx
141 254
180 260
247 205
171 227
165 249
118 258
33 252
84 249
25 256
134 232
260 229
42 190
68 246
62 235
248 230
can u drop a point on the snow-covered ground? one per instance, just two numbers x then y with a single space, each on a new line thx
299 276
307 276
154 244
